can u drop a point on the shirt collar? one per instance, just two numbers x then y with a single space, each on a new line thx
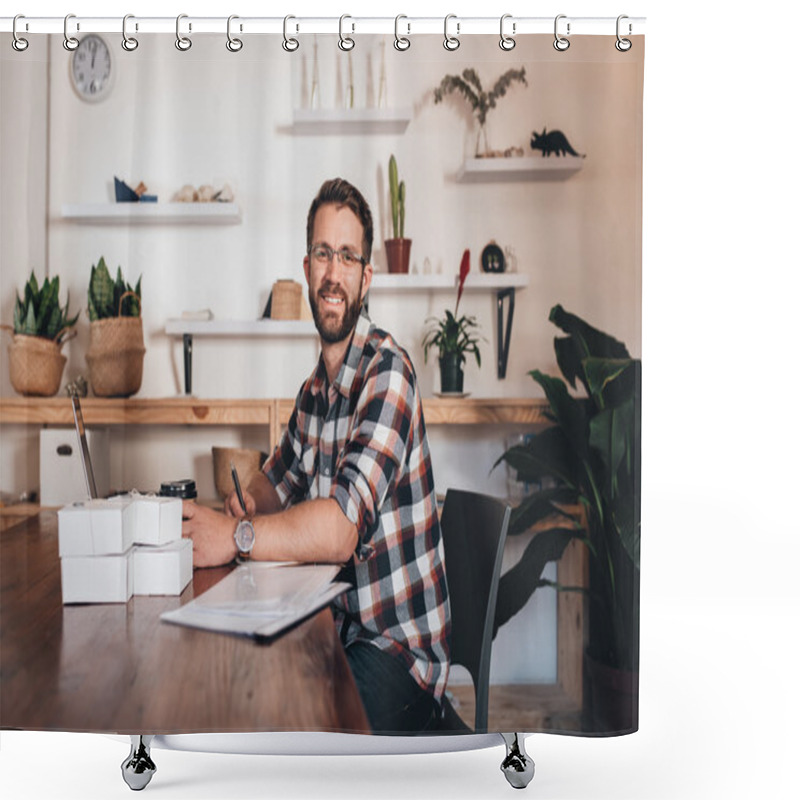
347 372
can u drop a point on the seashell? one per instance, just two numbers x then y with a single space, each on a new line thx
205 193
225 194
187 194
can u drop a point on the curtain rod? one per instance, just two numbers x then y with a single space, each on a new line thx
298 25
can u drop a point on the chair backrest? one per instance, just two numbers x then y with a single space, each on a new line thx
474 529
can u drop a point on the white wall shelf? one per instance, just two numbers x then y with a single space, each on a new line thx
475 282
530 168
153 213
325 121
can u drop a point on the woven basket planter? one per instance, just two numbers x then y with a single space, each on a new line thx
35 365
116 356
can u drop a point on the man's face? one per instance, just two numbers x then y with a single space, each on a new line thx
335 288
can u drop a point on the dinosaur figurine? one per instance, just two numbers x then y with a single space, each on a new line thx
553 142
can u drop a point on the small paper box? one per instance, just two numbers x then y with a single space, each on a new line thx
97 579
61 476
95 528
162 570
156 520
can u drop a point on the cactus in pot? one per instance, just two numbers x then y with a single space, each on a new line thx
41 327
398 248
116 341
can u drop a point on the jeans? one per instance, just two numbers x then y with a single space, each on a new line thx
393 700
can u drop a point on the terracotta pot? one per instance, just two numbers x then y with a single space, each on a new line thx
451 373
116 356
398 254
35 365
612 702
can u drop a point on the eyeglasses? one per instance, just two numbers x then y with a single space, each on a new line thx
323 254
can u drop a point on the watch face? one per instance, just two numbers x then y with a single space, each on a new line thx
245 536
91 68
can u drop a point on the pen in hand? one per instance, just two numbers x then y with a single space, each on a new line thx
238 486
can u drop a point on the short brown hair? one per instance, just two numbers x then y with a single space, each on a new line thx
341 193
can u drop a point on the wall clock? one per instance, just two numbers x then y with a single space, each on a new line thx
91 69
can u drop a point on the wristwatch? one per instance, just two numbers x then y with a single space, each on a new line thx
245 538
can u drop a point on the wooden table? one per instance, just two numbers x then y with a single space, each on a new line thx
118 668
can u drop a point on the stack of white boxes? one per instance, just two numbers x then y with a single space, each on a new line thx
131 544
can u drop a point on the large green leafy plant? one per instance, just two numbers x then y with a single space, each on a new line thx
38 312
112 298
593 450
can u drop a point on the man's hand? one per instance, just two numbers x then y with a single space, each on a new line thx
234 509
211 534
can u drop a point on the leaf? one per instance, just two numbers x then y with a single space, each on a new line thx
538 506
463 271
29 327
517 585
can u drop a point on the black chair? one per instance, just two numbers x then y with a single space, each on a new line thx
474 529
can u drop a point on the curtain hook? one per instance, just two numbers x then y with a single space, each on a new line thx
561 44
507 42
183 43
623 45
289 44
451 42
70 42
401 42
346 42
129 43
18 43
233 44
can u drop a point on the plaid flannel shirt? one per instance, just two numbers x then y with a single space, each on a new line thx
362 441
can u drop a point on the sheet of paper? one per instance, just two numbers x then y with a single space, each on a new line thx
260 599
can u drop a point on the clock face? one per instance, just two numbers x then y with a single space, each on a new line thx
91 68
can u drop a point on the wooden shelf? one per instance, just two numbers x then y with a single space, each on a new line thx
153 213
531 168
198 411
354 121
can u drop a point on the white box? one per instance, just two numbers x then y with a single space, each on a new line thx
96 528
97 579
162 570
61 477
156 520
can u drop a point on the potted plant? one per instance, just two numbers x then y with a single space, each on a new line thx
398 248
453 337
593 449
41 327
116 342
480 101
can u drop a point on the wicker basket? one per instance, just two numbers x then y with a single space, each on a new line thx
287 300
35 365
116 356
247 462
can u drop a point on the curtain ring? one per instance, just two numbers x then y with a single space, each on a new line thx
233 44
18 43
129 43
561 44
507 42
401 42
289 44
623 45
70 42
183 43
451 42
345 42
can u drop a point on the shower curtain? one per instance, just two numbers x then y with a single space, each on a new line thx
191 169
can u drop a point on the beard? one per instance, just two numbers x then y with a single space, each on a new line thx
329 328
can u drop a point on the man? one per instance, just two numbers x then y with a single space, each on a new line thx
351 481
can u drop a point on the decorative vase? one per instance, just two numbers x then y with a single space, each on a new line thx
116 356
35 365
451 373
398 254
